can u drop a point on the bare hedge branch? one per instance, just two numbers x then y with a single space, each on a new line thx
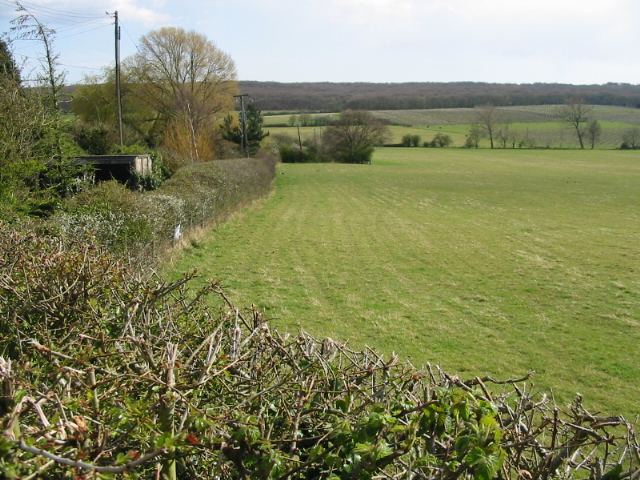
103 370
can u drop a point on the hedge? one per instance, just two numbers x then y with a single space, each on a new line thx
142 225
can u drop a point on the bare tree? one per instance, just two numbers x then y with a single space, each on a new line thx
631 138
488 119
473 139
503 134
577 113
594 130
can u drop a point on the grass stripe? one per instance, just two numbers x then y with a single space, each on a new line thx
485 262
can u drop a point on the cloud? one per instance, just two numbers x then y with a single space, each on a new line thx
378 12
149 17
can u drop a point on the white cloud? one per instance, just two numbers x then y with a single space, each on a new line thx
149 17
374 11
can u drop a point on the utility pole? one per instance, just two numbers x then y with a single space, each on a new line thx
118 93
243 121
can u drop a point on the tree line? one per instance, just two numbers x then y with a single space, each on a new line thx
333 97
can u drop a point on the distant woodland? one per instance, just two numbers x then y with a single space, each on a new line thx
332 97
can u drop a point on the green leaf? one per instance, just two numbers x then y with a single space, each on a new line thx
344 404
461 410
614 473
165 440
462 444
486 464
382 450
484 471
476 456
363 448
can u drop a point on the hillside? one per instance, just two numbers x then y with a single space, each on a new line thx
332 97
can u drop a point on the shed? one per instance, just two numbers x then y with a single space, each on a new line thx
117 167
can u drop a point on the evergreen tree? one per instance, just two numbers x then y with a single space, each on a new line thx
233 131
8 69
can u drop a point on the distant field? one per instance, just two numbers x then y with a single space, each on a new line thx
539 125
485 262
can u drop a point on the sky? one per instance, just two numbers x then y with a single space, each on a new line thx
376 41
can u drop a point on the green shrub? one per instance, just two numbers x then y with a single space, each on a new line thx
292 154
94 139
309 154
411 140
441 140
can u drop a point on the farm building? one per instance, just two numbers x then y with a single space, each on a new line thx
117 167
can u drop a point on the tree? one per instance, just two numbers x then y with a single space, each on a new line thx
631 138
473 139
8 69
488 120
504 134
233 131
188 82
353 136
441 140
28 27
94 99
576 113
35 150
594 130
411 140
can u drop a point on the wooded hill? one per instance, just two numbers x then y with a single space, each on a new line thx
332 97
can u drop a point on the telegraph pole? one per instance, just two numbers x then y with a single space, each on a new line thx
118 93
243 121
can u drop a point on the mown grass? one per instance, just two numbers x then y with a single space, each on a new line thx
485 262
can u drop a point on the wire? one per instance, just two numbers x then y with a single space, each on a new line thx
70 22
61 64
52 12
130 38
83 31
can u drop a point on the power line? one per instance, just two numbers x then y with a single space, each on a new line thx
27 57
130 37
83 31
51 12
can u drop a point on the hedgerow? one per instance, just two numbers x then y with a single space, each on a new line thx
142 225
107 373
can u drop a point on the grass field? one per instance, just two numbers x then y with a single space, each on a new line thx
539 125
485 262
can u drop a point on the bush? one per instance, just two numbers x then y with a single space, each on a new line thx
292 154
94 139
352 137
441 140
309 154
